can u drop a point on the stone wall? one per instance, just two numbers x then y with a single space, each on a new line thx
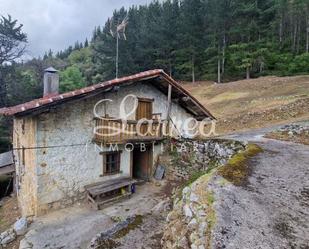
191 156
190 221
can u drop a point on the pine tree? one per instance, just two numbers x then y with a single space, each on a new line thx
86 44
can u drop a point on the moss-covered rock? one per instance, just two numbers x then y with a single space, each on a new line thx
238 169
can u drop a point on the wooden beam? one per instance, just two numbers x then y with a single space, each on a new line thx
169 96
146 99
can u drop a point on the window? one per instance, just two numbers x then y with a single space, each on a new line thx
111 163
144 109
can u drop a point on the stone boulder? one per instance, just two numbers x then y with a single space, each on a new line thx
20 226
7 237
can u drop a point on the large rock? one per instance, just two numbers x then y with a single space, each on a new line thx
20 226
7 237
192 224
187 211
194 198
24 244
3 235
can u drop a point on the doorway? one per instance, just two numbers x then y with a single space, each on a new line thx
142 162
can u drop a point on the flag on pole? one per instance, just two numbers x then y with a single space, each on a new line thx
120 28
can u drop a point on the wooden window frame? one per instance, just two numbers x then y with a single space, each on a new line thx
107 171
145 99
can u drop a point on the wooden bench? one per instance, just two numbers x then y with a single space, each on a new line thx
102 193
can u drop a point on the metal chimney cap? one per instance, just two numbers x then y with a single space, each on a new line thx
51 70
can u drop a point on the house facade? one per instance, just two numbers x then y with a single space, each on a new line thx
64 142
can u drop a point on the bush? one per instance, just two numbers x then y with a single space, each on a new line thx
300 64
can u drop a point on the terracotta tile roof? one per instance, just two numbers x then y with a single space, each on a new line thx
47 101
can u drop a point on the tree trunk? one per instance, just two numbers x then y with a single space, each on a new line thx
294 36
307 31
307 40
280 31
219 70
248 73
223 54
170 68
261 67
193 71
298 38
3 89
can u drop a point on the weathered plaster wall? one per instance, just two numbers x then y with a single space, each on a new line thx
24 136
67 159
70 160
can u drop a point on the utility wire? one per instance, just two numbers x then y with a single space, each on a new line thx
48 147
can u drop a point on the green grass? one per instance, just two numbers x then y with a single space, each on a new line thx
133 225
210 198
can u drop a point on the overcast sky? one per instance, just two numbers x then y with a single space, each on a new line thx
56 24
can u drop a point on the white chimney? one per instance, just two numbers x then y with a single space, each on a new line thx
51 81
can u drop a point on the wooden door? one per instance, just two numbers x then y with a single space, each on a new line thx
142 163
144 110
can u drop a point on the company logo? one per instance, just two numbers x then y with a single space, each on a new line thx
124 126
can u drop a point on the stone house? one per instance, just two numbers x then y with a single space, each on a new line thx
65 142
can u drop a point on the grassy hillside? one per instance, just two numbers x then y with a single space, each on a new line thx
254 103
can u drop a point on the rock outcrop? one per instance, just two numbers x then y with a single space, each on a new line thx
7 237
294 129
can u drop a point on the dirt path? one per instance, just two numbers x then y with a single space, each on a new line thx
272 210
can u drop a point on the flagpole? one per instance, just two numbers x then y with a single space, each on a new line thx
117 54
119 28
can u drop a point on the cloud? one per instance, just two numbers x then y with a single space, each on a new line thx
59 23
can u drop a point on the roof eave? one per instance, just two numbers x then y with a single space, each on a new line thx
43 104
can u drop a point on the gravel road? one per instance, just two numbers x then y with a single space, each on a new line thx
272 210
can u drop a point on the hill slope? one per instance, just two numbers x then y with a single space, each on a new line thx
254 103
